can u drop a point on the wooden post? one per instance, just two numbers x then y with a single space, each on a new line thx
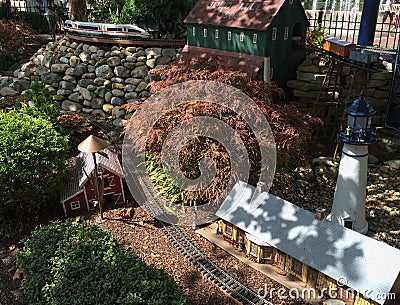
267 69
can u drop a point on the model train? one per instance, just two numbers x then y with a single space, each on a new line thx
348 50
105 30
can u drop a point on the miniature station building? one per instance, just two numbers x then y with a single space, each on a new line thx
252 36
78 195
307 246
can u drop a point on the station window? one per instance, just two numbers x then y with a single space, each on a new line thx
216 34
194 31
229 36
286 34
75 205
255 38
253 248
241 37
228 229
274 30
297 266
267 252
205 32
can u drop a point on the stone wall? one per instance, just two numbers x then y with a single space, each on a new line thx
311 74
88 78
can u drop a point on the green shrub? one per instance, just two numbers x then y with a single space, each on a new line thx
79 263
32 156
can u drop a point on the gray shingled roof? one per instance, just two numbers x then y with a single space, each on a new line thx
369 266
87 165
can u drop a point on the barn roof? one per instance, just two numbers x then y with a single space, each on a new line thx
240 61
255 15
111 163
366 265
71 187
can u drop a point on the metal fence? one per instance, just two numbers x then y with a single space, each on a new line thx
31 11
346 25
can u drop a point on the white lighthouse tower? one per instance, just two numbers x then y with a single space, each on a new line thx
350 194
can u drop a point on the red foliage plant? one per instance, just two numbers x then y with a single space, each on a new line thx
292 129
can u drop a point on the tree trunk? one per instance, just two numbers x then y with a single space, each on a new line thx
77 10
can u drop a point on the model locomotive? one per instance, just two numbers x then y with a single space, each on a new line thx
105 30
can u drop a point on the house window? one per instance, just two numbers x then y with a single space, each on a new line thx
253 248
229 36
274 30
267 252
228 229
75 205
297 266
216 34
194 31
241 36
205 32
286 34
255 38
107 181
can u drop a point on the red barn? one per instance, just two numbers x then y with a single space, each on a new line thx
78 194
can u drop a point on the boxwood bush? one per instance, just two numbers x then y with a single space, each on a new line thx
78 263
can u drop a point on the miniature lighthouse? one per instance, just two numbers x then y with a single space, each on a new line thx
349 200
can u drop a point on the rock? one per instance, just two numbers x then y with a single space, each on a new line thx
101 91
75 97
300 183
104 71
151 63
50 78
129 88
98 112
130 95
121 71
119 122
116 101
152 52
99 81
140 72
7 91
113 61
393 164
70 71
74 60
385 169
85 93
152 77
84 56
108 96
117 92
85 82
107 108
80 69
163 60
66 85
21 85
59 68
304 173
170 52
142 86
71 106
48 61
97 103
133 81
117 112
64 60
64 92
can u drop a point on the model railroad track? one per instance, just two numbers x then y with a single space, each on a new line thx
211 271
136 42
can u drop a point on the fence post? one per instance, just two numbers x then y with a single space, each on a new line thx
369 18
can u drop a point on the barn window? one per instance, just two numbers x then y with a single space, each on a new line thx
194 31
216 34
241 36
205 32
274 30
286 34
229 36
75 205
297 266
228 229
255 38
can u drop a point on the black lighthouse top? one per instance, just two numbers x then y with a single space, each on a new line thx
357 129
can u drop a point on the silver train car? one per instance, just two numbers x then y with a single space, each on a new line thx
105 30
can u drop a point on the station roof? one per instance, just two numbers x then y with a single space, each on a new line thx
364 264
255 15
